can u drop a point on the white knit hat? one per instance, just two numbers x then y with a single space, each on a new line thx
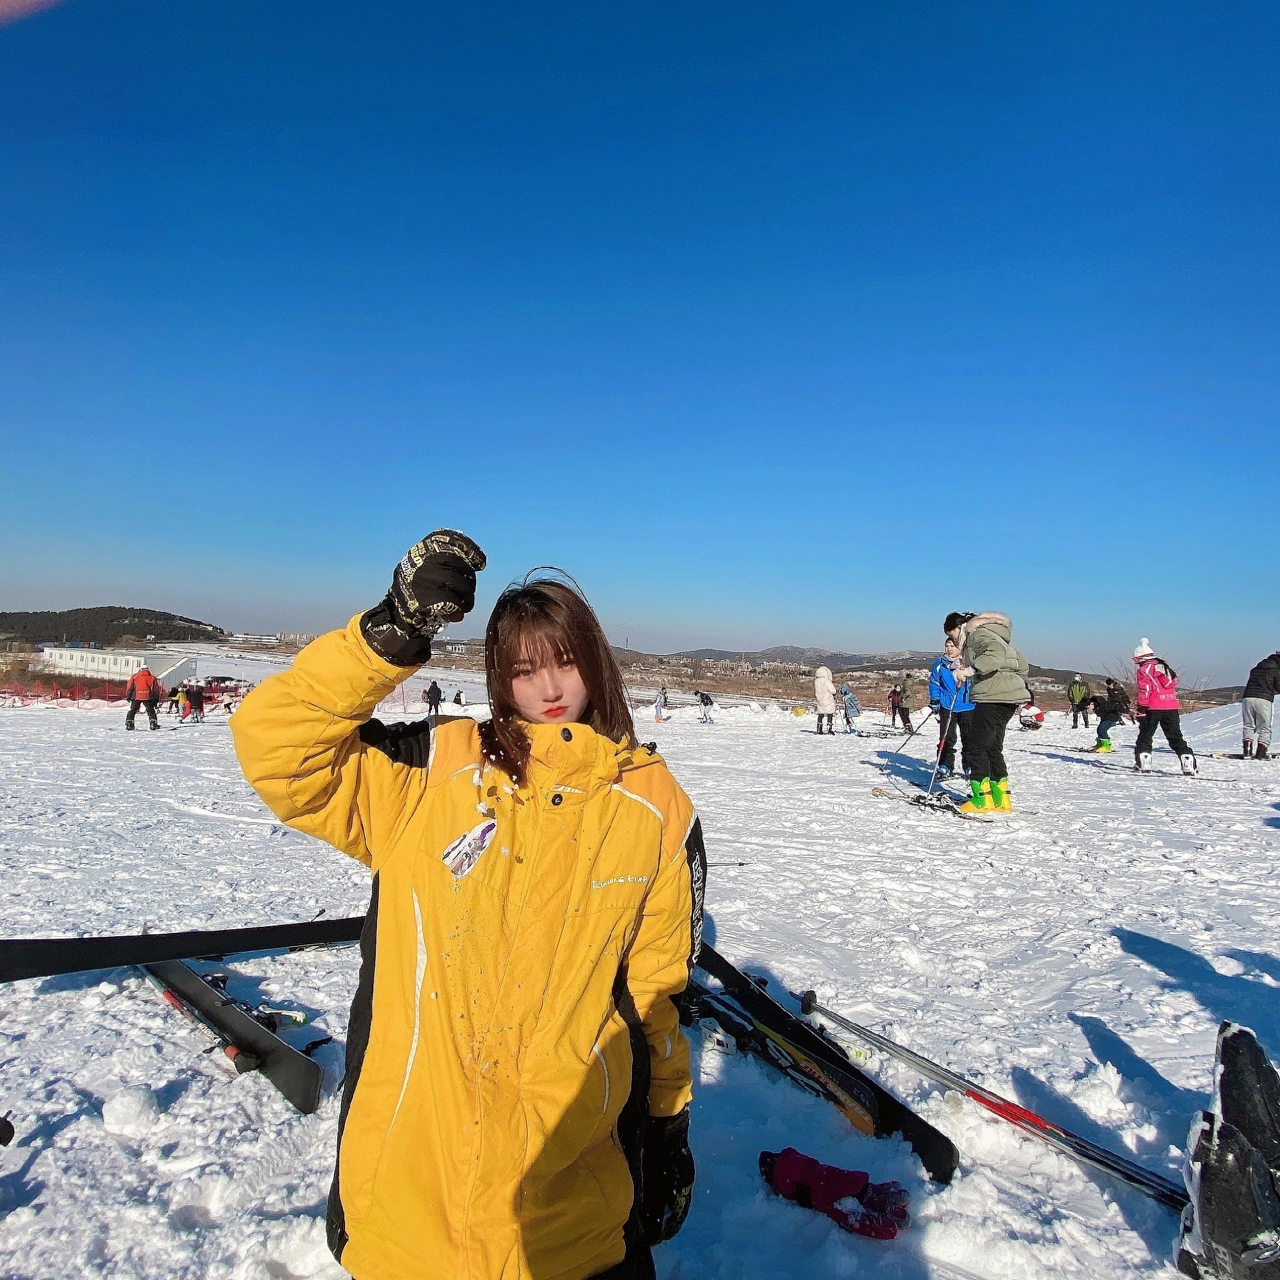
1144 649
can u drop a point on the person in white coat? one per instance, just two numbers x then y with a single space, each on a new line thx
824 690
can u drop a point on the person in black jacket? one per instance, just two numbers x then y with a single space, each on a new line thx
1256 705
434 696
1110 708
900 705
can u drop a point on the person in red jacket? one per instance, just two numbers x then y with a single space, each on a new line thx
143 689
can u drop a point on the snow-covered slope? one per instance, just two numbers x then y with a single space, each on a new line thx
1076 957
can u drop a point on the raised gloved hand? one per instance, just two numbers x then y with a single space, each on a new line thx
668 1177
433 585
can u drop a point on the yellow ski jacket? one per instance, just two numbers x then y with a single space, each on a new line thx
515 1021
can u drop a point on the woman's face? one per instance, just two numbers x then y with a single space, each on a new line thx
551 694
951 649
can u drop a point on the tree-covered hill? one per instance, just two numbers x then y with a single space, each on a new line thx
104 625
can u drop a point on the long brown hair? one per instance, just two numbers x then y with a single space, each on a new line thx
541 621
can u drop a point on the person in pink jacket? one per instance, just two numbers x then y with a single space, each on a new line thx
1158 708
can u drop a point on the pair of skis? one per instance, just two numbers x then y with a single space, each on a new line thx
806 1053
937 801
809 1056
759 1025
246 1036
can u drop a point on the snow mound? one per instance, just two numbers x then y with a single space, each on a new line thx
131 1112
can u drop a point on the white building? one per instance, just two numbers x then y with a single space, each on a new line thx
92 665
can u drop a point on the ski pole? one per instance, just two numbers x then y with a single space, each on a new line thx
912 734
1071 1144
728 864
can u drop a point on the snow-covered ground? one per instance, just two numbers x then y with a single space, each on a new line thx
1076 957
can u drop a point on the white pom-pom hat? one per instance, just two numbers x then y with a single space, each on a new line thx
1144 650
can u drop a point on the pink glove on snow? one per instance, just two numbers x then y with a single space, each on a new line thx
848 1197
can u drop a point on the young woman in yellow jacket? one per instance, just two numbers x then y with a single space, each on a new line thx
516 1102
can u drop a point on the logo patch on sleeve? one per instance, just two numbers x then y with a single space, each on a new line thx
465 851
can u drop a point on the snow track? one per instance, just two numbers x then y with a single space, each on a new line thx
1077 961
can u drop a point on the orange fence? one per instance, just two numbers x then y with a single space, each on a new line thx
50 691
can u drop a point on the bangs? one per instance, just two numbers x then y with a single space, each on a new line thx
533 640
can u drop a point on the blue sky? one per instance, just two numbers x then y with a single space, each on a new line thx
769 323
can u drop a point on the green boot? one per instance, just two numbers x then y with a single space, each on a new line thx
1001 800
980 800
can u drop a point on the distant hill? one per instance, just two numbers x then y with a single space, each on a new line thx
105 625
813 657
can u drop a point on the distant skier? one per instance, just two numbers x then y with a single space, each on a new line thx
143 689
1030 716
824 692
660 706
705 703
459 699
1256 705
998 674
433 697
900 705
949 697
195 703
171 706
1158 708
851 708
1078 695
1110 707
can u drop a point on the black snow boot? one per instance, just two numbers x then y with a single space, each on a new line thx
1261 751
1249 1091
1231 1227
1247 749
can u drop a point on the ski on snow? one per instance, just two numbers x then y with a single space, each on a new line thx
1152 1184
46 957
246 1041
938 802
760 1025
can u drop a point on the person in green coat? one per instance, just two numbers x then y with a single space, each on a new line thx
1078 694
998 672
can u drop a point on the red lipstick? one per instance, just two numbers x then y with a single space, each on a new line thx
555 711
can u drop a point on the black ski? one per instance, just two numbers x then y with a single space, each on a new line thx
823 1064
45 957
857 1103
247 1043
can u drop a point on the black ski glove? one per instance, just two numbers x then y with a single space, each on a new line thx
433 585
668 1177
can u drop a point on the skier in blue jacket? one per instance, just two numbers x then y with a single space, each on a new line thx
851 708
949 697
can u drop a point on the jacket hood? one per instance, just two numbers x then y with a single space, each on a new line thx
823 673
998 622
